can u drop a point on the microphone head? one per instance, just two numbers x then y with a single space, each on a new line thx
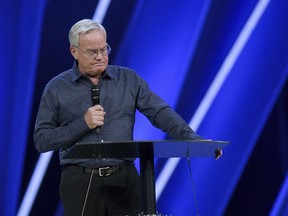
95 95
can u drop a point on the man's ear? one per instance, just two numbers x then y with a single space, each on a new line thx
73 52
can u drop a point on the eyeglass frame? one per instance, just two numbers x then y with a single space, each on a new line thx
95 53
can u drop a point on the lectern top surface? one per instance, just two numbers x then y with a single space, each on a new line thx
136 149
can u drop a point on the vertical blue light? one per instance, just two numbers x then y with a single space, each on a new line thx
158 45
21 25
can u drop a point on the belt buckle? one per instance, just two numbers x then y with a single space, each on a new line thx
104 168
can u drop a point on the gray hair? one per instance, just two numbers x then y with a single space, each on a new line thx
83 27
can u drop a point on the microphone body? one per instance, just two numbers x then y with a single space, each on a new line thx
96 100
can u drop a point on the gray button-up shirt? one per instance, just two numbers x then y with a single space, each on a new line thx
60 121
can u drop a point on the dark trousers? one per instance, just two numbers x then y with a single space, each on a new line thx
114 195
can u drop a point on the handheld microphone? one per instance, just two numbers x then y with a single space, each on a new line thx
96 100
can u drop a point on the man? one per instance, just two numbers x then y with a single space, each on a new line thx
68 114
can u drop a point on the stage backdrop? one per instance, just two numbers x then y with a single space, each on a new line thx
221 64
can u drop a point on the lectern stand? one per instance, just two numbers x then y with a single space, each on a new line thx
146 151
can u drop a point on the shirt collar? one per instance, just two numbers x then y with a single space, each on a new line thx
76 74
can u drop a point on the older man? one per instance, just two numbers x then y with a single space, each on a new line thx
68 114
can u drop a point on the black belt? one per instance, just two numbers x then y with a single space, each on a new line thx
102 171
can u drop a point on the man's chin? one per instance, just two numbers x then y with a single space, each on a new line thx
95 73
98 68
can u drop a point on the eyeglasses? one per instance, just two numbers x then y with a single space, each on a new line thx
94 53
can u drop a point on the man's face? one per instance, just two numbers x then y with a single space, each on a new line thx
90 53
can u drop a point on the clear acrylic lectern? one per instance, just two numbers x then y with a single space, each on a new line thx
146 151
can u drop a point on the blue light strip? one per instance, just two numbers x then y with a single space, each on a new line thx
34 184
44 159
214 88
101 10
281 200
